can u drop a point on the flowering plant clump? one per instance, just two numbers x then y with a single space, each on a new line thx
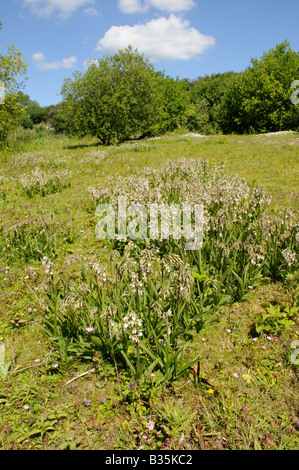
133 324
143 310
42 183
145 331
95 157
33 238
47 265
40 158
242 241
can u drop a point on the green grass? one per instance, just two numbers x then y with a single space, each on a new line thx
244 395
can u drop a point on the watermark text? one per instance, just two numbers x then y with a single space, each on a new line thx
155 221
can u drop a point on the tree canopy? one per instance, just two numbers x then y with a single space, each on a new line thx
12 69
120 97
259 99
117 98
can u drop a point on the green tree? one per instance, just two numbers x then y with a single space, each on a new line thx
259 99
12 68
119 97
176 102
24 101
35 113
55 117
198 117
206 94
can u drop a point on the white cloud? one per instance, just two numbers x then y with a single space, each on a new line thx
131 6
162 38
39 60
38 57
68 63
48 7
172 5
91 12
134 6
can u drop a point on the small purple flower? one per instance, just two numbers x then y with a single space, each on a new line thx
86 401
132 385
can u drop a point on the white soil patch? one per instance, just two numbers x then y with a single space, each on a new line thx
193 135
278 133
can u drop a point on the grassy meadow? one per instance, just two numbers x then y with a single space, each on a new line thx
212 366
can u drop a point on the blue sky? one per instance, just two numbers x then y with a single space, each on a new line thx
183 38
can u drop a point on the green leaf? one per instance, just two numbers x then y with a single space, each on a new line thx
150 353
129 363
2 353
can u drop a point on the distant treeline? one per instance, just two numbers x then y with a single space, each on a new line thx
37 115
122 96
